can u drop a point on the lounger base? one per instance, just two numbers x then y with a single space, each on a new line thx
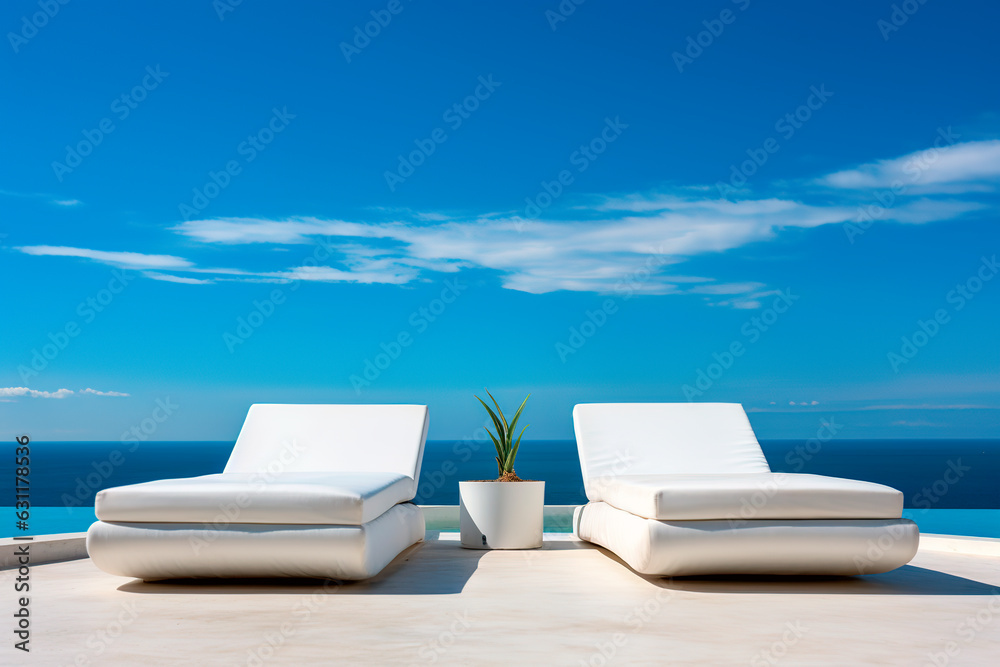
761 547
153 551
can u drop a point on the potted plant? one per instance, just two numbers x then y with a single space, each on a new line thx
505 513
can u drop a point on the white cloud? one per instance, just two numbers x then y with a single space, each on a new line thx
95 392
539 256
34 393
126 260
7 392
726 288
633 241
41 195
166 277
254 230
434 217
739 304
533 256
742 295
922 210
854 406
927 406
934 169
373 274
690 279
743 302
638 203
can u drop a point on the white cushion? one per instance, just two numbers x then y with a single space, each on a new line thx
179 550
345 498
663 438
323 438
749 496
759 547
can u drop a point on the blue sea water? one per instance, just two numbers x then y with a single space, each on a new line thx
934 475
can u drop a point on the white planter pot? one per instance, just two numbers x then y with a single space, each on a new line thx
501 515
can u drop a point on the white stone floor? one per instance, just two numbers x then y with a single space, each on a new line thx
568 603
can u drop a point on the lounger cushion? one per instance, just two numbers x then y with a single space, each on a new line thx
180 550
323 438
343 498
760 547
663 438
743 496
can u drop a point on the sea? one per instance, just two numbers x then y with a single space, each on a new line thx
934 475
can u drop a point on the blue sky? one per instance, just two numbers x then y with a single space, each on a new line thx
785 205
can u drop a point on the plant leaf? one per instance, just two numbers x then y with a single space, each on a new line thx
508 436
517 415
500 451
513 451
496 422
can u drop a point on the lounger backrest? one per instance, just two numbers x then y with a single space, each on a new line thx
663 439
331 438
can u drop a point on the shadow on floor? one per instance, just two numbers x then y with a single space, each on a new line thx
431 567
907 580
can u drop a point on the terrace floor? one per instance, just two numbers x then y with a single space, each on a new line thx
568 603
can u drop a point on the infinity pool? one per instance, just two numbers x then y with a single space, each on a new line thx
51 520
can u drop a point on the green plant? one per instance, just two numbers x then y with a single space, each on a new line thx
504 441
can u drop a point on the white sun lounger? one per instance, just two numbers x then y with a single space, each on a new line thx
309 491
679 489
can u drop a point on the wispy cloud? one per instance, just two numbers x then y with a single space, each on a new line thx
922 210
957 168
919 423
532 256
929 406
35 393
51 199
125 260
750 301
858 406
376 272
287 231
726 288
11 392
95 392
594 251
183 280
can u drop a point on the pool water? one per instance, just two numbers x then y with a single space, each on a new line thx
954 477
52 520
